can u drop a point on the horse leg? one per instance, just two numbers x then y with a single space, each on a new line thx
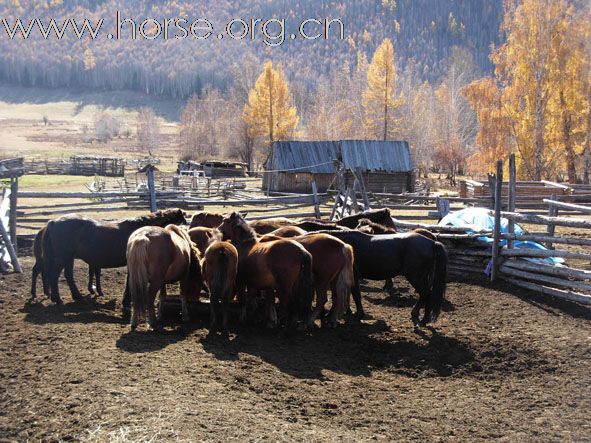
161 300
97 276
35 273
356 291
152 291
126 309
270 308
53 275
421 285
184 309
91 287
69 274
321 299
225 304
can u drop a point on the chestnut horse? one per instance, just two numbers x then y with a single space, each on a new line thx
287 232
332 267
281 265
202 237
101 244
156 256
219 266
206 220
269 225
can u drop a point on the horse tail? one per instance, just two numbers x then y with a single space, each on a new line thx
439 278
38 267
345 280
304 287
138 274
218 285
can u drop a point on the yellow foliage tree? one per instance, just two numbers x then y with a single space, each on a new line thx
269 112
538 103
379 98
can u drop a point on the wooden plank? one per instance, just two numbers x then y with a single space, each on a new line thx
545 279
10 247
93 195
556 185
363 188
545 220
497 225
540 253
151 188
316 200
561 271
566 295
568 206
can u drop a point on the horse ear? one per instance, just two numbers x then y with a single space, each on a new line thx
243 214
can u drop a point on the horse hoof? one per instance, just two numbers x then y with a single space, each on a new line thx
57 300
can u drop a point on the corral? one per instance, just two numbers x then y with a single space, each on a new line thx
502 362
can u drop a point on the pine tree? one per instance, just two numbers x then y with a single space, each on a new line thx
379 98
269 113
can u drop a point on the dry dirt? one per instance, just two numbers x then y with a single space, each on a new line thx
499 365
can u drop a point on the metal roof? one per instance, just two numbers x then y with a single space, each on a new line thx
318 156
377 155
313 156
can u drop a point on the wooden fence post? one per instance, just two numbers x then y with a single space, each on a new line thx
511 197
345 199
13 213
151 188
362 186
552 212
497 227
316 202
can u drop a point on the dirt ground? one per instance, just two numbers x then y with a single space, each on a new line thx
499 365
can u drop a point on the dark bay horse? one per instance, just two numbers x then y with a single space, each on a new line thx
381 216
101 244
332 268
281 265
219 267
206 220
421 260
157 256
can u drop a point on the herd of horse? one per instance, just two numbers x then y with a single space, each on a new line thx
273 268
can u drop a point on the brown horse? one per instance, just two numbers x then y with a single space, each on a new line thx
381 216
287 232
219 266
202 237
269 225
101 244
156 256
332 267
281 265
369 227
206 220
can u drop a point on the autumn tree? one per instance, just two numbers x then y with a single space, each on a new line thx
148 129
535 105
380 98
269 113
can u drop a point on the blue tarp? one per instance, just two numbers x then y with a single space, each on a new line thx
482 219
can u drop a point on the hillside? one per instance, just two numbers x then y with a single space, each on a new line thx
423 31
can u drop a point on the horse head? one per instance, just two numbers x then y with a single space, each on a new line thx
235 228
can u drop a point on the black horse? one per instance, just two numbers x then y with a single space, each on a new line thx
101 244
422 261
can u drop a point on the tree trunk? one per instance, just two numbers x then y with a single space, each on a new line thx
587 149
567 140
538 135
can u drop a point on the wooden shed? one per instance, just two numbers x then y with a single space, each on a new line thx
293 165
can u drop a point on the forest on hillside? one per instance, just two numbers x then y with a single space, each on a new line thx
424 32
